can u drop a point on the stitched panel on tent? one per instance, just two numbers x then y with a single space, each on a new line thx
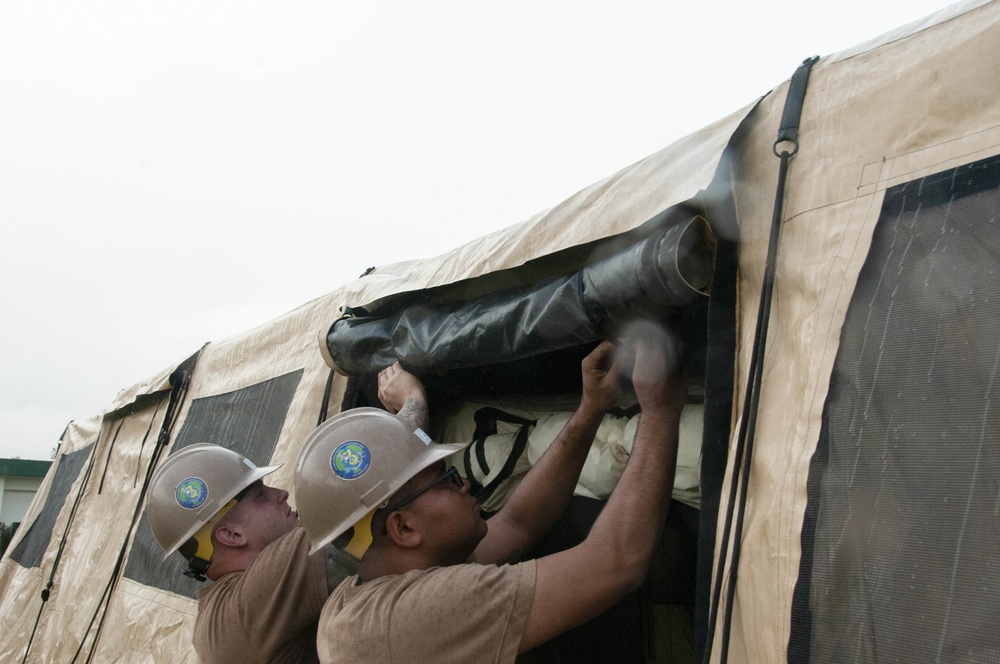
903 527
248 421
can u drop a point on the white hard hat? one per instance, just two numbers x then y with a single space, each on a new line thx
191 490
351 465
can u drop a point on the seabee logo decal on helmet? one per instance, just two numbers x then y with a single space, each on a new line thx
191 493
351 460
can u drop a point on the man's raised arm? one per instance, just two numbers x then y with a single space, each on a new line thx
575 585
544 493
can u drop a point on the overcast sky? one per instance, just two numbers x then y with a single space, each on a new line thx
173 173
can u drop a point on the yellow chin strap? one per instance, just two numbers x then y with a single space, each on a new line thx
199 562
362 538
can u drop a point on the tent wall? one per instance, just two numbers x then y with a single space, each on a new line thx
913 106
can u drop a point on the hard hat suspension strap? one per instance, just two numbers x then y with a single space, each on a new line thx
198 563
362 538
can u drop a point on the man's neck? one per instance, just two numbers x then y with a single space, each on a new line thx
378 563
227 562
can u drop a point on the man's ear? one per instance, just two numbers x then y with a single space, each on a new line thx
230 535
403 529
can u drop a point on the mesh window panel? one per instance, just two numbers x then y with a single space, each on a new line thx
30 550
901 546
248 421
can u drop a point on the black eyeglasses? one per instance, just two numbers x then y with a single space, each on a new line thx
450 475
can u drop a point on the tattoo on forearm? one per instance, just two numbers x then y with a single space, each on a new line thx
414 411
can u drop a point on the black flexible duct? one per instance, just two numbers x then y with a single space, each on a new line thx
655 278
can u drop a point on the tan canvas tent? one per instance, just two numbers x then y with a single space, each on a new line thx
864 521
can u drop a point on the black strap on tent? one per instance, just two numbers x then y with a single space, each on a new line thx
145 437
325 406
107 589
180 380
740 477
107 459
62 545
486 425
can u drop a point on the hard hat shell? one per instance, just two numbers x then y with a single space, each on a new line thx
354 462
191 486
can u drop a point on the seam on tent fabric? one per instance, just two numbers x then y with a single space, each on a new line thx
839 285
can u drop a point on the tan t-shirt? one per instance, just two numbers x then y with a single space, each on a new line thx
267 613
461 614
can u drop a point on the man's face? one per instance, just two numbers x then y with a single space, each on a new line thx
451 517
263 514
